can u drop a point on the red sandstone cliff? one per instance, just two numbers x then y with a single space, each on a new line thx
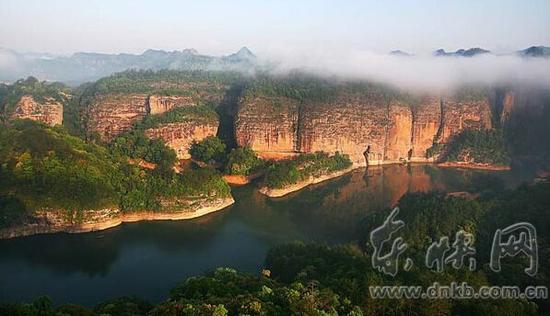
109 115
180 136
268 125
393 130
49 112
113 114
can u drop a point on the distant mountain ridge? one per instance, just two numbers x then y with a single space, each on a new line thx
536 51
462 52
82 66
533 51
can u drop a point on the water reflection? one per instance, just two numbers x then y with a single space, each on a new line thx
149 258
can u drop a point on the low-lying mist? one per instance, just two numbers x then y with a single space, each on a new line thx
433 74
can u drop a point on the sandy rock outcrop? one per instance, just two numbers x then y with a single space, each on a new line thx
426 124
349 124
179 136
158 104
113 114
459 115
390 129
268 125
49 112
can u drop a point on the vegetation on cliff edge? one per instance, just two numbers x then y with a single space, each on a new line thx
474 146
165 82
283 173
41 91
46 168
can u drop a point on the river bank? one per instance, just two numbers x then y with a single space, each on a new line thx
46 222
279 192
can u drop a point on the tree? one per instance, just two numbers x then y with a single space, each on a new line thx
210 149
242 161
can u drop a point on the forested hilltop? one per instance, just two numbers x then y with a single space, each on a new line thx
315 279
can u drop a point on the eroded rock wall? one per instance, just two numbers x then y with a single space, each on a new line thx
180 136
49 112
426 124
459 115
349 124
398 142
113 114
158 104
391 129
267 125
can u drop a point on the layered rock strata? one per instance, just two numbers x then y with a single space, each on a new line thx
49 112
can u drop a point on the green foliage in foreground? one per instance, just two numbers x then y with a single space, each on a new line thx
243 161
207 150
49 168
478 146
316 279
46 168
284 173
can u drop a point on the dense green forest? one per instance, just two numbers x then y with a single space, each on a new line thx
165 82
211 149
243 161
305 87
44 167
235 161
283 173
317 279
475 146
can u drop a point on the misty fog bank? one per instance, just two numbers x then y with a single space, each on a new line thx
421 73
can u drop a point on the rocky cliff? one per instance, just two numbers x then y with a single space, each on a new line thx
49 112
112 110
110 115
390 128
268 125
464 114
158 104
426 124
179 136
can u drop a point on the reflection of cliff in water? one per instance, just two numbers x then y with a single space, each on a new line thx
331 210
147 258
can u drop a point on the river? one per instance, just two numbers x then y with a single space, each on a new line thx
147 259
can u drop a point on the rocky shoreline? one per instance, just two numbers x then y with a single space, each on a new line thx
280 192
275 192
48 222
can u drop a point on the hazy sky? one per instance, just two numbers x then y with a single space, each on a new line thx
220 27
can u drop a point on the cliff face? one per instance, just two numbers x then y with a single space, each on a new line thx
110 115
49 112
180 136
459 115
390 129
426 123
268 125
158 104
113 114
348 124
